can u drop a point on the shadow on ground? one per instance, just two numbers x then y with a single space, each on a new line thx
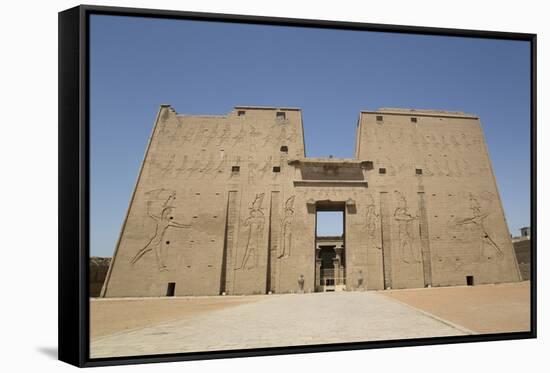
50 352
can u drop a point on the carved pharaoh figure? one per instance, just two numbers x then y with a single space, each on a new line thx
255 224
478 221
405 224
164 220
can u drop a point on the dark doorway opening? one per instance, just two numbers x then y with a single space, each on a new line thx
330 258
171 289
470 280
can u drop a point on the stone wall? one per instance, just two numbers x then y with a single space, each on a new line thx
442 217
98 271
522 249
227 205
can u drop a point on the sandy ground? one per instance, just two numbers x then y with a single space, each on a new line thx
114 315
483 309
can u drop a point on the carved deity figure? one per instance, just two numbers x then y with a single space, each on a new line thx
255 224
286 228
478 221
164 220
371 217
405 226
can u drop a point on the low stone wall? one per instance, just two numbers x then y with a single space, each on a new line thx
523 256
98 272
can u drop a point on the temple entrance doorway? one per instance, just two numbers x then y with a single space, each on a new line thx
330 259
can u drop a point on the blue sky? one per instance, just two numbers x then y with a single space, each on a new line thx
136 64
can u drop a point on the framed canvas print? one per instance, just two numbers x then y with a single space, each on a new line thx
235 186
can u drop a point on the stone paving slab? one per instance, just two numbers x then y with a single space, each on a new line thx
281 320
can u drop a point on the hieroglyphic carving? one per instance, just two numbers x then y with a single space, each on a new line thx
189 133
200 134
239 137
286 228
405 220
477 220
182 166
224 134
167 166
194 167
207 167
254 133
252 172
395 138
255 225
220 168
266 167
162 215
211 134
293 134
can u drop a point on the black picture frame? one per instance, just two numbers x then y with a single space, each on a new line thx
74 338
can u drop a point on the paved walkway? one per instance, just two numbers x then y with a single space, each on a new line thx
281 320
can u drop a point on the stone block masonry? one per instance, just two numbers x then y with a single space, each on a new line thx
227 205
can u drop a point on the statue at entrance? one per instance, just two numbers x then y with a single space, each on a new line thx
301 281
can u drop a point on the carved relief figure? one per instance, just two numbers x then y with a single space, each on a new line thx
224 135
163 217
255 224
372 217
182 167
210 135
205 169
478 221
189 134
194 167
405 226
167 167
252 171
238 138
254 132
219 168
286 228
